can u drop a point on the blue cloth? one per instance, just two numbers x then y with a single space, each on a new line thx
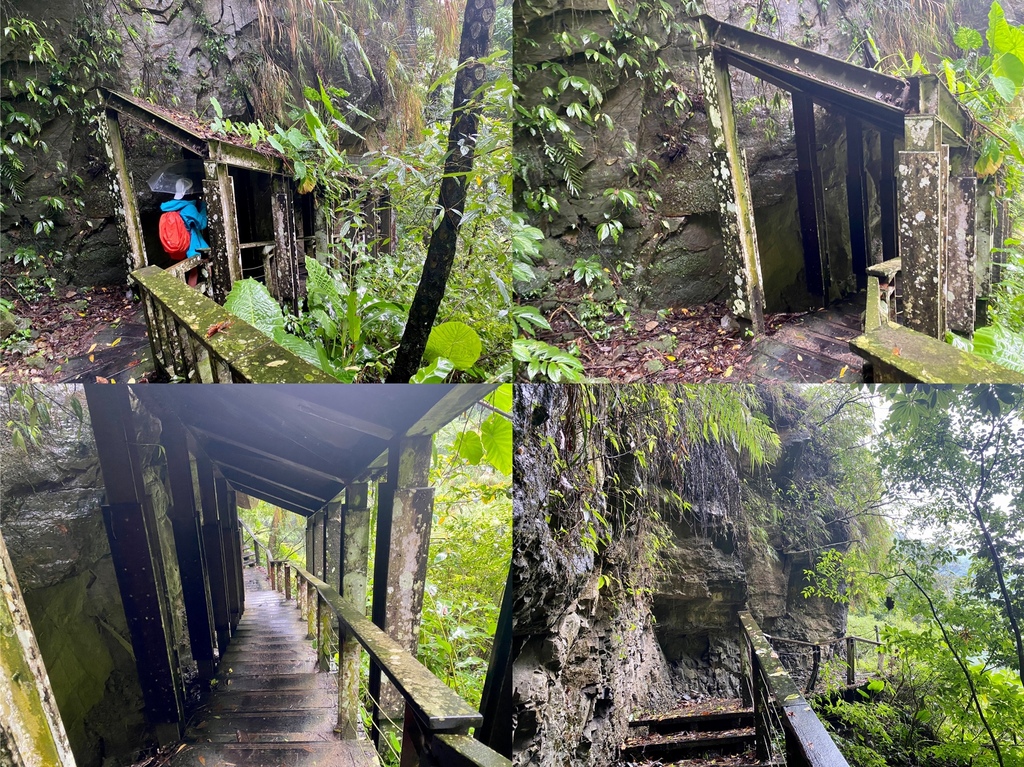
195 220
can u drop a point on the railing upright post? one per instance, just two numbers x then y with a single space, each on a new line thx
881 664
310 612
256 551
287 581
851 660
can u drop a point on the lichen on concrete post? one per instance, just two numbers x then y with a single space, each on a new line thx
732 187
122 194
354 558
413 508
960 255
31 730
222 228
922 239
984 221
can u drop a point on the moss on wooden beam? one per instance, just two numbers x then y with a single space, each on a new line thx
252 356
900 355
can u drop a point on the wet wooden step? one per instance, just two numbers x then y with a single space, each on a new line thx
722 720
684 744
308 754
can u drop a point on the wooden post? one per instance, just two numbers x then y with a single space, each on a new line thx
496 699
857 199
378 605
851 661
881 660
354 561
887 196
811 200
222 229
287 581
185 523
227 541
283 263
30 724
126 204
215 565
311 594
132 552
729 174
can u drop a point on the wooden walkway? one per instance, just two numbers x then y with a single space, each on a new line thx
813 348
270 706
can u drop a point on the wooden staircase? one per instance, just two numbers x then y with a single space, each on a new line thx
709 729
270 706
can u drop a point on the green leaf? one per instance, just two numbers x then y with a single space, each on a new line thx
501 398
251 301
496 437
1004 87
968 39
435 372
296 346
455 341
876 685
470 448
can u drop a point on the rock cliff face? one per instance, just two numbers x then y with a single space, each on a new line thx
672 242
52 522
602 632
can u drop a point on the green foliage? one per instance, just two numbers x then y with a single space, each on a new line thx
995 343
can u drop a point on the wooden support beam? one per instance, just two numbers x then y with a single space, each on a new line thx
811 200
214 548
355 549
31 729
983 240
922 240
185 524
283 263
133 553
496 699
857 199
222 230
227 538
122 193
887 197
961 254
729 175
236 546
378 605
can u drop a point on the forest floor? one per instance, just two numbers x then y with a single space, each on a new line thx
685 345
78 334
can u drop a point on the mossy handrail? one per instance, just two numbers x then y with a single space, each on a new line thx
437 719
776 698
195 339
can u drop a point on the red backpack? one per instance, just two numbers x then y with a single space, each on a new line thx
174 235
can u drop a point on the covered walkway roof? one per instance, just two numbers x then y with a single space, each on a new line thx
297 446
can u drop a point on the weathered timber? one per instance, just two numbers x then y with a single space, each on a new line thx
736 212
133 553
463 751
960 255
807 742
983 238
436 705
185 524
496 698
810 200
857 198
922 239
222 229
283 264
214 549
379 602
126 206
179 319
881 293
31 730
878 97
900 355
887 196
227 541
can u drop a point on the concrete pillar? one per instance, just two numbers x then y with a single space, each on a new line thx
355 558
222 230
31 729
922 239
960 255
729 175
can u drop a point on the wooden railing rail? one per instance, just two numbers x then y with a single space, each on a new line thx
437 720
195 339
779 706
851 655
885 295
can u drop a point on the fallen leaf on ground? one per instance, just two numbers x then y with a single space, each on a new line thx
115 342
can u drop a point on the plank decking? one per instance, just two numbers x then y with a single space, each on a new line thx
270 706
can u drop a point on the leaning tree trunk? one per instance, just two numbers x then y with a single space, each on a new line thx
476 37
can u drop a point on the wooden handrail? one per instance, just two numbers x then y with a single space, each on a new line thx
437 705
808 744
196 339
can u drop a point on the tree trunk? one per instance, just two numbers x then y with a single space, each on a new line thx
476 37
